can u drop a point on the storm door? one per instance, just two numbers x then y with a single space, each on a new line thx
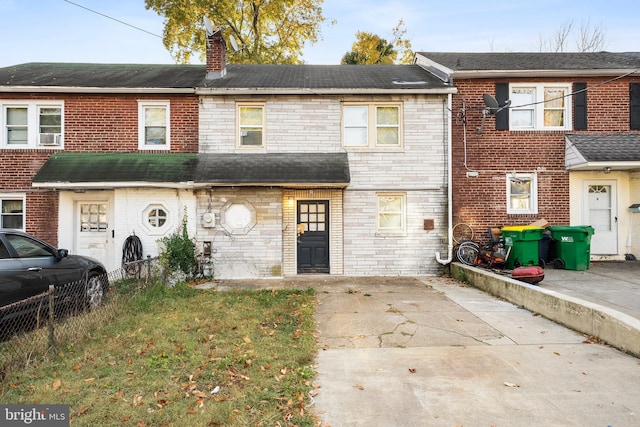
313 236
601 214
91 230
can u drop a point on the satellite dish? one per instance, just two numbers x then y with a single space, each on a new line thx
234 43
208 25
491 103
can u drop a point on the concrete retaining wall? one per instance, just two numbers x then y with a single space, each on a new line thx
613 327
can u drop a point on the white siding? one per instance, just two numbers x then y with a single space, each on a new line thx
313 124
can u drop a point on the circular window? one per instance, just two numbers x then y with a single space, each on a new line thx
238 217
157 217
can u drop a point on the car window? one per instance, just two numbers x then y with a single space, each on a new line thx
4 253
28 248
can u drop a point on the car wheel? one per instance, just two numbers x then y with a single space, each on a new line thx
94 291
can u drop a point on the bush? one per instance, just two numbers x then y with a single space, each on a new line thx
179 252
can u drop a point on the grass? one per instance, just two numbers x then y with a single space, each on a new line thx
183 356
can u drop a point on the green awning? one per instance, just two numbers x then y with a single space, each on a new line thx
88 169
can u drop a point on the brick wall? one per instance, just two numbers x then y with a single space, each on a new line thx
91 123
481 201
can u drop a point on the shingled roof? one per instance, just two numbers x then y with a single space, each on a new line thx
314 78
185 78
178 170
606 147
464 64
86 76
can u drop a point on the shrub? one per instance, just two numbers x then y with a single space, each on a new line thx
179 252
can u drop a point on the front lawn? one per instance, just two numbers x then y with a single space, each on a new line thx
182 356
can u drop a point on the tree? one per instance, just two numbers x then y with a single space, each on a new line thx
267 31
590 38
370 48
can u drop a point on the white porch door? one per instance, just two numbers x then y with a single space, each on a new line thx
92 229
600 212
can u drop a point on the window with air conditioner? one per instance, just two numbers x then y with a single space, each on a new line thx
31 124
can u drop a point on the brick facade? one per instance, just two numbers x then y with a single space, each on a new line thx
481 201
92 123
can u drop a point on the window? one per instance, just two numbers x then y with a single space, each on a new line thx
12 212
32 124
157 217
93 217
153 125
391 212
251 125
540 106
522 194
368 125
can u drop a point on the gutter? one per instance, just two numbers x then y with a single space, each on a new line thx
449 192
486 74
321 91
78 89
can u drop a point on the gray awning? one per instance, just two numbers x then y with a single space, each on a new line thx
595 151
278 169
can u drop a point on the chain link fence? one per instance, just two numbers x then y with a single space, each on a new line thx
33 328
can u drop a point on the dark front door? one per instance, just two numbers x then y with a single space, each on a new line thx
313 236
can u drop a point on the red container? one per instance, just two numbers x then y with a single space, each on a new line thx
532 274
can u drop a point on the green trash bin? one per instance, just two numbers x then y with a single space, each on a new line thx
521 243
573 246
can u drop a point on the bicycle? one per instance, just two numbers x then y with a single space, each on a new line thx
462 232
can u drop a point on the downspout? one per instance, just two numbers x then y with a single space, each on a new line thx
449 189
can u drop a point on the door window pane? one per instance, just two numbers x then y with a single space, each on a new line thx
93 217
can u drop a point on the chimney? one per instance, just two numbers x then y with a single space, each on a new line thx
216 55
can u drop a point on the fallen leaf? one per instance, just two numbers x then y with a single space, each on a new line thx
556 353
56 384
358 386
89 380
83 410
511 384
247 340
77 368
412 370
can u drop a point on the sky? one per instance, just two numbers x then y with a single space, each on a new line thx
65 31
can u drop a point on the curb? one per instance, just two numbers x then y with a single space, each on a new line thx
611 326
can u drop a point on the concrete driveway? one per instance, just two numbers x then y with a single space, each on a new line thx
433 352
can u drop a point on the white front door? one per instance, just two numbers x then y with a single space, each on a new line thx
600 213
92 229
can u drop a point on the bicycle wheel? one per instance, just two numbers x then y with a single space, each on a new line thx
467 252
462 232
